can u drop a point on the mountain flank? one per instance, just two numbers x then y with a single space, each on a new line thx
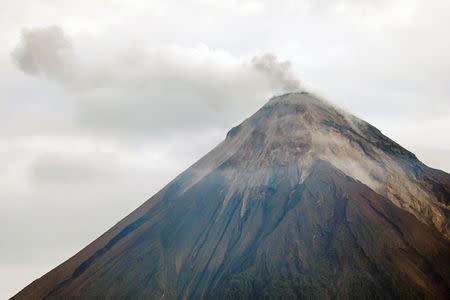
300 201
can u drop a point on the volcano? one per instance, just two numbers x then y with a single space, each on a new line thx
300 201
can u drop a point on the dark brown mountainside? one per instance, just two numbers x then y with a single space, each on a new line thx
300 201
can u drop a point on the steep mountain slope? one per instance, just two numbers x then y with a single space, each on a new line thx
301 201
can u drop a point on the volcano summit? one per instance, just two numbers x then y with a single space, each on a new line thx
300 201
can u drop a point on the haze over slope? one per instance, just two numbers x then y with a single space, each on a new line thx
300 200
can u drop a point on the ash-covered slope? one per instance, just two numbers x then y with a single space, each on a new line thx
299 201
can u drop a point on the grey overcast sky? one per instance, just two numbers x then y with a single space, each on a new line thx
103 102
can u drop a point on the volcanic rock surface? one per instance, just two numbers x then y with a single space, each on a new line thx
300 201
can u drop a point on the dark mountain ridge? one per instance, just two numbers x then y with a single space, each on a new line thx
300 201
